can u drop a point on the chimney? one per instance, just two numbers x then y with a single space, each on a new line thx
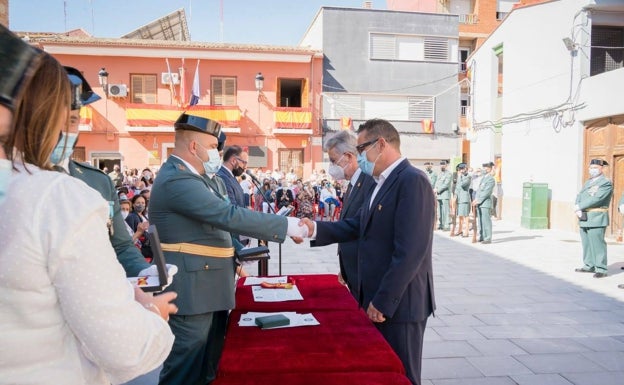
368 5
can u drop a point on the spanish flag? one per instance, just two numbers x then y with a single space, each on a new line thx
427 126
345 123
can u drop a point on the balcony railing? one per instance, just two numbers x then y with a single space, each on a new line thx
468 19
150 115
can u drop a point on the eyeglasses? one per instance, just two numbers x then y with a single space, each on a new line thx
362 147
339 159
240 160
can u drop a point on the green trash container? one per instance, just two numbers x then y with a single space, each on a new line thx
534 205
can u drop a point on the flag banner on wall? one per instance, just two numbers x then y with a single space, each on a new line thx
427 126
345 123
151 115
289 117
86 115
195 92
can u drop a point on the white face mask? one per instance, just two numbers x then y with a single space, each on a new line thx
124 214
214 161
335 171
594 172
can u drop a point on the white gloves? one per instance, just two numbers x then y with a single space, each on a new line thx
153 271
294 230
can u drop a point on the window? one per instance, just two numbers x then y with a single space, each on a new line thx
223 91
604 58
143 88
464 105
291 93
412 48
291 158
400 108
463 56
498 51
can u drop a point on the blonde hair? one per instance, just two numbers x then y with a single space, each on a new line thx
40 114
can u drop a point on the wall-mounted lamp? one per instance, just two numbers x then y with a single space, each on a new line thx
570 45
259 82
103 79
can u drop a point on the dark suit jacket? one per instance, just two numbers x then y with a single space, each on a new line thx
234 189
185 209
395 245
348 251
127 254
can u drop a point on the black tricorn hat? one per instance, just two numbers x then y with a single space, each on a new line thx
488 164
18 62
599 162
82 94
443 163
461 166
428 164
199 124
221 143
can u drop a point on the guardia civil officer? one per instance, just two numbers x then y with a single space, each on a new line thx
592 209
431 174
194 219
463 198
442 190
483 204
128 255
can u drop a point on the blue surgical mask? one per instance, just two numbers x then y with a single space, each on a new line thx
214 161
365 165
594 172
6 169
64 148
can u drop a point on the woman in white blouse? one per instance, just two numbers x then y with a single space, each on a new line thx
67 313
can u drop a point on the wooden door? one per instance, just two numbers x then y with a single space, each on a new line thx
618 189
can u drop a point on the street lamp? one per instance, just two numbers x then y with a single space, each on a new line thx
103 78
259 83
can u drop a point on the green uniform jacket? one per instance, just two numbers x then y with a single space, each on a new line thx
128 255
596 193
462 188
185 209
484 193
433 177
443 185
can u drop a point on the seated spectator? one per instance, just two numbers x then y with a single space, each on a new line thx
138 222
284 197
305 202
329 199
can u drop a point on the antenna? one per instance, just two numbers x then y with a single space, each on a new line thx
65 14
221 23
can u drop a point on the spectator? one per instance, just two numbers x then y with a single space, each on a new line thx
247 187
291 177
76 335
284 197
138 222
329 199
147 177
305 202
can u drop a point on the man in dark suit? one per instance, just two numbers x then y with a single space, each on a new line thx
395 232
194 220
234 164
343 157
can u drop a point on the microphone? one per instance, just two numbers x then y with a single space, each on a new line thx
251 174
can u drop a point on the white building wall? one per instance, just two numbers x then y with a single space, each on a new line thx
539 74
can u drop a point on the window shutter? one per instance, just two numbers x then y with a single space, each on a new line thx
420 108
230 92
605 59
217 92
382 46
436 49
149 95
137 88
143 88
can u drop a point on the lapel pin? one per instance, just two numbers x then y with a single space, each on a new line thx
78 170
378 207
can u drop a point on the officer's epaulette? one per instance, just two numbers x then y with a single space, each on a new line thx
81 168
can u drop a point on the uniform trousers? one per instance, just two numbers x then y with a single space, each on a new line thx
197 348
485 224
406 339
444 211
594 248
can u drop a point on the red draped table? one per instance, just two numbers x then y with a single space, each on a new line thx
345 348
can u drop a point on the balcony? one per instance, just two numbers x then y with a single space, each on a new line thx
291 120
468 19
156 117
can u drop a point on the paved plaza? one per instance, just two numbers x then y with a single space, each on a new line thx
511 312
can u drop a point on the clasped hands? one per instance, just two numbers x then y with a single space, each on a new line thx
299 229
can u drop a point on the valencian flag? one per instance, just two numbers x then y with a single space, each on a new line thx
195 92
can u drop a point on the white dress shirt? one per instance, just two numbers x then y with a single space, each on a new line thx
67 311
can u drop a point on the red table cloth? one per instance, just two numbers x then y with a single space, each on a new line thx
360 378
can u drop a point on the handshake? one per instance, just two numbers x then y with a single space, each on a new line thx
298 229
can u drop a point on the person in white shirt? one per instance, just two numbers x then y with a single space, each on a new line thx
68 315
329 199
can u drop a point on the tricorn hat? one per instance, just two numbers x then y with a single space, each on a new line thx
488 164
221 143
18 62
599 162
461 166
443 163
199 124
82 94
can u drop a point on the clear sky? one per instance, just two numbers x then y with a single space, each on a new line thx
272 22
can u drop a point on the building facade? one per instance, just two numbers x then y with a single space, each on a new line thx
545 99
400 66
150 83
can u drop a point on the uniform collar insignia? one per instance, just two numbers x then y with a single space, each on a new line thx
78 170
181 167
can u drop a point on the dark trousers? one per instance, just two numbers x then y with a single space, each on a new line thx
197 348
406 339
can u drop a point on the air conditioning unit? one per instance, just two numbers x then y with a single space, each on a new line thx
166 78
117 90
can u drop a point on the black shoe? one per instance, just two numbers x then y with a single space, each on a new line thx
486 242
600 275
581 270
621 286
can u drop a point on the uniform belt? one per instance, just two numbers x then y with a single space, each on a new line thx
599 209
205 251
